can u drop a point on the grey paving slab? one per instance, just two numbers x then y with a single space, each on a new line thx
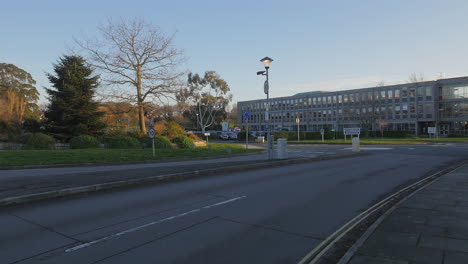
373 260
436 216
453 257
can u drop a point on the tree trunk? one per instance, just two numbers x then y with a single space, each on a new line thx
141 110
141 118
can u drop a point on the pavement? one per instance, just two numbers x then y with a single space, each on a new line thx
430 227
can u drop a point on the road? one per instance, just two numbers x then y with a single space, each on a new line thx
271 215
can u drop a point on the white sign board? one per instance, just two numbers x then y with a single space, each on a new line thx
431 130
322 131
207 134
151 133
225 126
352 131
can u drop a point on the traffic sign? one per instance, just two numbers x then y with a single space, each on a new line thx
246 115
322 131
352 131
151 133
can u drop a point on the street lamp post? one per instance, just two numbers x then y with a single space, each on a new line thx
266 87
298 121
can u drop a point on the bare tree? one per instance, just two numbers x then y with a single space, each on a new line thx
138 59
414 78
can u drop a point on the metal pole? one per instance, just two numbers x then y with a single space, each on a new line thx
247 135
298 129
154 154
269 143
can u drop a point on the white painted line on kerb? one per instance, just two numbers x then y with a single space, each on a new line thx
85 245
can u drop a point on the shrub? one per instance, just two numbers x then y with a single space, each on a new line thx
184 142
40 141
123 142
162 143
83 142
136 134
193 136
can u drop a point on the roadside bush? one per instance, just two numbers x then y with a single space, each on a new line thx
193 136
83 142
40 141
162 143
184 142
136 134
123 142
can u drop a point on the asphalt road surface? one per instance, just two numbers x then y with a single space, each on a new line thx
272 215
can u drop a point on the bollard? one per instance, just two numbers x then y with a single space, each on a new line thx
281 150
356 145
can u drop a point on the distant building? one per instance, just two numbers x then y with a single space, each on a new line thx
412 107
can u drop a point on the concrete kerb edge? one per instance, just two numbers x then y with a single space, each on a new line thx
16 200
355 247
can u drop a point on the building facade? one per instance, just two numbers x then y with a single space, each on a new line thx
411 107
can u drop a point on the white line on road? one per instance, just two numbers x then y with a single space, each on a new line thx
84 245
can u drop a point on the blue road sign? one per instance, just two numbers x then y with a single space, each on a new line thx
246 115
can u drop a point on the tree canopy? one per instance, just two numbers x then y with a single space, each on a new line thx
72 110
18 95
205 99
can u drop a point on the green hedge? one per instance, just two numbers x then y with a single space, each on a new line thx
123 142
84 142
40 141
292 135
162 143
184 142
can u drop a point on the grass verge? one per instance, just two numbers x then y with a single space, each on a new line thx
75 156
387 141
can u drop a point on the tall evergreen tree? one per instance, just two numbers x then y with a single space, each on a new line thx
72 110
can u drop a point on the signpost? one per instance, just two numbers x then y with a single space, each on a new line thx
351 131
432 131
246 117
207 135
322 132
152 134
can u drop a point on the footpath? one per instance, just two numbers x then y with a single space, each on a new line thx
28 185
430 227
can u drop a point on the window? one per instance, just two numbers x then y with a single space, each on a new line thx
412 92
390 94
404 92
397 93
340 99
454 91
382 94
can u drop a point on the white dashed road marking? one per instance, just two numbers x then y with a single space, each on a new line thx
85 245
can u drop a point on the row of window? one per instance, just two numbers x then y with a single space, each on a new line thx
387 112
392 95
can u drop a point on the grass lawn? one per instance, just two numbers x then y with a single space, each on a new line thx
74 156
388 141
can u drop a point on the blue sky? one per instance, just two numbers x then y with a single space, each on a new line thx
316 45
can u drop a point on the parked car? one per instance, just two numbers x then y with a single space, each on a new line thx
232 135
224 136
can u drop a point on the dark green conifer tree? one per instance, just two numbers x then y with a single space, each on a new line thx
72 110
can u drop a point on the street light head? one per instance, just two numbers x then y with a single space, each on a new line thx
260 72
266 61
